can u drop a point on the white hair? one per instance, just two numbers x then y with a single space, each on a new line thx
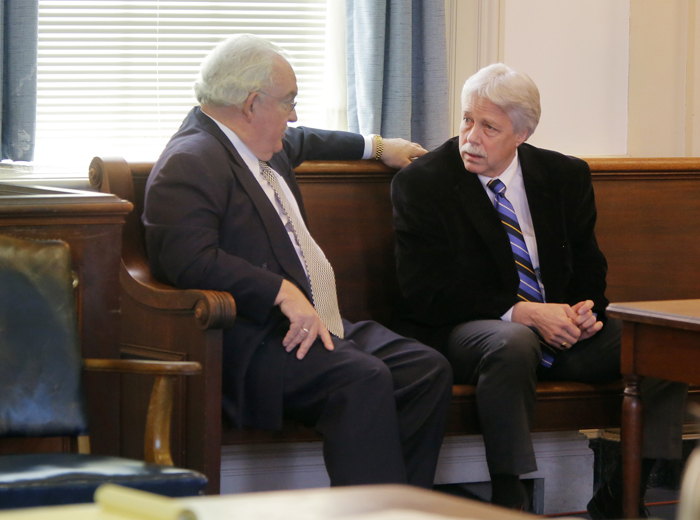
508 89
236 67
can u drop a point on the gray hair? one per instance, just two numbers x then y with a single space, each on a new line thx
236 67
509 89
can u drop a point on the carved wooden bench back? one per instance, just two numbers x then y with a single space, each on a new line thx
647 227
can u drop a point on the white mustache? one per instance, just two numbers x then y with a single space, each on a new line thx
473 149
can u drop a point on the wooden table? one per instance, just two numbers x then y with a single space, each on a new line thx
659 339
380 502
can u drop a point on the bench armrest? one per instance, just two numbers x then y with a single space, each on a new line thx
212 309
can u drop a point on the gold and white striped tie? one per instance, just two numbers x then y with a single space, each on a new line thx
319 269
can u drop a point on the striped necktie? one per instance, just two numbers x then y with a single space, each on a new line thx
319 269
529 288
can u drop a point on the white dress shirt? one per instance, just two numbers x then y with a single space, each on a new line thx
254 166
512 177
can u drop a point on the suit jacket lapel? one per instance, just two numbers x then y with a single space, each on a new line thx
277 234
484 217
545 202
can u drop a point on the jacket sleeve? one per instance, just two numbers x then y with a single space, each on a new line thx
589 266
311 144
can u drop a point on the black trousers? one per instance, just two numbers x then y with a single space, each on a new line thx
503 360
379 400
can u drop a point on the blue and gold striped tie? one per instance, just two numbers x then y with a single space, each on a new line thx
529 288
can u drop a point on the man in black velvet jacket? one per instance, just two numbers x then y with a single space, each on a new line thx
510 285
223 211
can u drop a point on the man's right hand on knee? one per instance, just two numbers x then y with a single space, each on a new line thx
305 324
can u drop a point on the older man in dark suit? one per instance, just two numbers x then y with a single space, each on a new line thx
498 258
223 211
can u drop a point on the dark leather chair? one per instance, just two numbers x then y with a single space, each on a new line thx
41 392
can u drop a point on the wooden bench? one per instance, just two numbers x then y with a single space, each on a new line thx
647 227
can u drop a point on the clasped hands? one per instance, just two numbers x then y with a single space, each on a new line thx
560 325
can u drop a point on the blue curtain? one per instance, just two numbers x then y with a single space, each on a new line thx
397 69
18 49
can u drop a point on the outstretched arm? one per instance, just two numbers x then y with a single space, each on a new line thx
306 144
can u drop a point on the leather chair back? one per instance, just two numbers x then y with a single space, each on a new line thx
41 390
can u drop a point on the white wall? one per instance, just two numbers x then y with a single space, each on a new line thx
577 53
692 144
657 96
616 77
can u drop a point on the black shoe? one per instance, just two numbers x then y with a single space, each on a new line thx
605 506
516 497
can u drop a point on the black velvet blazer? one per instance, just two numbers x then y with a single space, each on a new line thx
454 259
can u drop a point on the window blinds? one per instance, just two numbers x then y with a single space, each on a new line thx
115 77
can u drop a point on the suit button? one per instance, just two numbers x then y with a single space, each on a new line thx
264 265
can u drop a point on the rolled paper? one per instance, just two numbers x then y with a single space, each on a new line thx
133 503
689 503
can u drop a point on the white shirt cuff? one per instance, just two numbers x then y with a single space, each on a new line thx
368 147
508 314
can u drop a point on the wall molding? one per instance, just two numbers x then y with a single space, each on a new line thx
490 32
564 459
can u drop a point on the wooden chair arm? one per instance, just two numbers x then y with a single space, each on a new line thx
160 407
138 366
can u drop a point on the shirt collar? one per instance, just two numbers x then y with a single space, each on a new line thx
507 176
248 157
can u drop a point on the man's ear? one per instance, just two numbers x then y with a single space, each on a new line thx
521 137
248 106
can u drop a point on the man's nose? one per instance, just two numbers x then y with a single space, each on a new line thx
292 116
474 135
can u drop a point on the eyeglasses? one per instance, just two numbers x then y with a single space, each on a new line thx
292 105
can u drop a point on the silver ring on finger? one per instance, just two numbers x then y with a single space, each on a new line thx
305 330
564 344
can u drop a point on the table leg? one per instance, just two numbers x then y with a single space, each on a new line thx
631 445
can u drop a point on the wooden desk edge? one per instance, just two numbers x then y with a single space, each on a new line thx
641 313
309 503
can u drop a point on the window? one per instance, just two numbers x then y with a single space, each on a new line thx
115 77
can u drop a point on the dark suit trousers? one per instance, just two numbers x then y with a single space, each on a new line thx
503 360
379 400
